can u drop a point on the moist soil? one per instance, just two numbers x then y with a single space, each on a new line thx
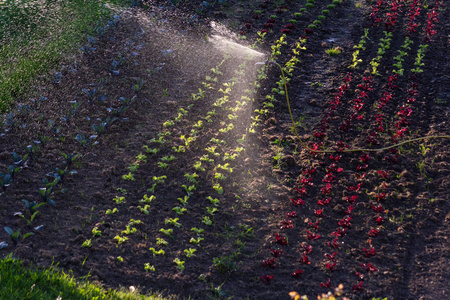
157 57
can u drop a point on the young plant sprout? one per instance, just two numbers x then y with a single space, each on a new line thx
113 211
147 199
198 231
149 268
161 242
179 263
157 253
190 252
179 210
167 232
196 241
15 235
120 240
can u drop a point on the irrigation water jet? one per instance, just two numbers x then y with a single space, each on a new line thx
228 46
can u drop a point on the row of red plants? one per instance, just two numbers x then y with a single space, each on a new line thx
333 171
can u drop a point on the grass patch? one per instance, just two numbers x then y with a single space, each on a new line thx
334 51
18 282
36 35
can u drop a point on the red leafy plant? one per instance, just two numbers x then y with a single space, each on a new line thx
298 202
319 135
359 275
312 235
358 287
334 244
329 178
310 171
373 232
335 158
326 284
276 252
301 191
339 232
380 196
305 259
314 225
331 267
270 263
324 202
369 252
345 222
350 199
279 239
326 190
379 220
333 168
286 224
291 214
331 257
378 208
297 273
362 168
349 209
365 158
307 248
383 174
289 26
354 188
306 181
369 267
319 213
266 278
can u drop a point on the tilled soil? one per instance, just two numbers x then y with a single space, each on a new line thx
376 222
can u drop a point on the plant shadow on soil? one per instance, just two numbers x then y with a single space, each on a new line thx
173 57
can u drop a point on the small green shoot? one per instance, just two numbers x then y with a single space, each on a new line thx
190 252
147 199
96 232
110 212
207 221
128 176
87 243
167 232
149 268
179 210
120 240
161 242
157 253
173 222
198 231
179 263
196 241
119 200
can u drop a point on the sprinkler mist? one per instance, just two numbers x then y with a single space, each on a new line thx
224 40
228 46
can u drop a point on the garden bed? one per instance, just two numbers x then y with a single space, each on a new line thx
167 159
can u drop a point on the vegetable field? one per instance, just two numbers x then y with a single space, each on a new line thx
239 150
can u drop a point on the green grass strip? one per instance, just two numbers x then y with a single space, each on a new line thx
25 56
18 282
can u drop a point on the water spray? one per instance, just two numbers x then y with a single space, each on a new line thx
272 62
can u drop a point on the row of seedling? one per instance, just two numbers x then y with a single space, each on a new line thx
320 212
189 188
58 175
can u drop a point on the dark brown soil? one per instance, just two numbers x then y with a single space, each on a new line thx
171 50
